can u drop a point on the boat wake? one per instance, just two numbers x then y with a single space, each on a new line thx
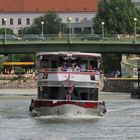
69 117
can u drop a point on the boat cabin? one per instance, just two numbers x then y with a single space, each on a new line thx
68 75
68 61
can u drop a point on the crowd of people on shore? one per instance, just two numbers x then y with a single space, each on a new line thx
11 74
127 36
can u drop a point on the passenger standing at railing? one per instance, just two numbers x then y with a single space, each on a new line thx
90 68
60 68
69 69
77 68
65 67
83 67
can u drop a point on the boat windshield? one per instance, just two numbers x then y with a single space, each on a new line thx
61 93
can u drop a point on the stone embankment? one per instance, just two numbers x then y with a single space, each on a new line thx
126 85
18 84
106 85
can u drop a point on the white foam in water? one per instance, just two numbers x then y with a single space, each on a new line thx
68 117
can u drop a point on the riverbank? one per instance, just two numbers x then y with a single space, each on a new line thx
18 91
126 85
18 84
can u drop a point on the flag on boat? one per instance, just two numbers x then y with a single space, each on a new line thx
72 88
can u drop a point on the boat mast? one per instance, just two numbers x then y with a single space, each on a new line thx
69 96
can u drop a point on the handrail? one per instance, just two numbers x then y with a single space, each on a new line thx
64 38
47 70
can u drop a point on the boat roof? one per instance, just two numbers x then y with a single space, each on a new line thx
68 53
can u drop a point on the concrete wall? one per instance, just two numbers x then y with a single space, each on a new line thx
119 85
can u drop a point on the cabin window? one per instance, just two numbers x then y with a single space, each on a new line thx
43 92
94 64
93 95
54 64
44 63
59 93
83 65
40 92
85 94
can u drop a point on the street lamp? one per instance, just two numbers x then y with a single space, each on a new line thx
5 19
103 23
60 20
69 20
42 29
135 32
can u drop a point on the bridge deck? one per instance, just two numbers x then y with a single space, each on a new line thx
72 43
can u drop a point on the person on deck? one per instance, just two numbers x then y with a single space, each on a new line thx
90 67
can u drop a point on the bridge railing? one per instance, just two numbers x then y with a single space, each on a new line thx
68 38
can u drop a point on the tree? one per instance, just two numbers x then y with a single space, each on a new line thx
19 71
51 24
3 58
118 16
110 62
21 57
8 31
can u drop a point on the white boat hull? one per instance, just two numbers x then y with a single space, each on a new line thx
67 110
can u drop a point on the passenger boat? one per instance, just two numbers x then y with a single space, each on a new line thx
68 84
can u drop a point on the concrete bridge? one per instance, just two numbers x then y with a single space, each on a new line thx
83 43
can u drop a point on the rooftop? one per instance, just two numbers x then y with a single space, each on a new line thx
36 6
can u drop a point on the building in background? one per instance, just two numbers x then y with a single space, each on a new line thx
136 2
21 13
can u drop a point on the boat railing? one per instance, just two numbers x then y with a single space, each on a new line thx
55 100
46 73
47 70
89 84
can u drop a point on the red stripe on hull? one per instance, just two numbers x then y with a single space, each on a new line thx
46 103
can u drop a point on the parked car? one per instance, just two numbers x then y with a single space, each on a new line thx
91 37
29 37
9 37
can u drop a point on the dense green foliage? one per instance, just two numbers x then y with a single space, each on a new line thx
19 71
118 16
3 58
8 31
18 58
110 63
51 24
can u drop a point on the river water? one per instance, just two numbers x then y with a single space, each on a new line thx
121 122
